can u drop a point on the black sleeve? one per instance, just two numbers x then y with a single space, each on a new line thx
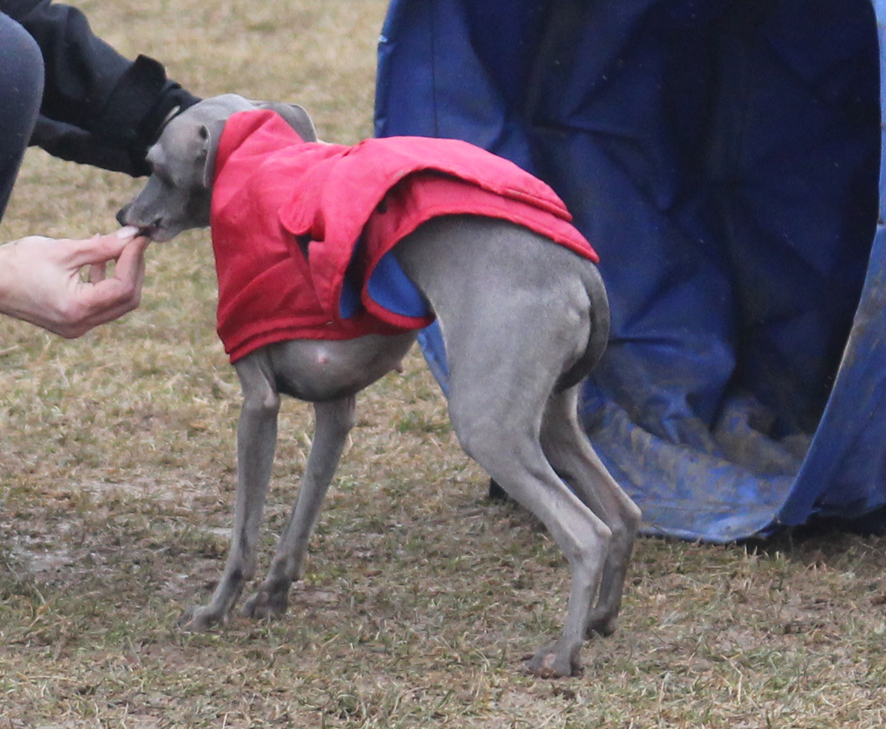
98 107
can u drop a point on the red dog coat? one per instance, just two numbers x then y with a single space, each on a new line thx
301 230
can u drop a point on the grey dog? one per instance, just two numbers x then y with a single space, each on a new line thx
517 343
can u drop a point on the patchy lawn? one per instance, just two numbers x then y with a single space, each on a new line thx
421 598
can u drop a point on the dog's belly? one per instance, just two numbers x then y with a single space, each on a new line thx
319 370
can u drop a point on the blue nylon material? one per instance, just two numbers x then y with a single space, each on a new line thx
388 287
723 158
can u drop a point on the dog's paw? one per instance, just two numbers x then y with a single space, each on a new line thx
265 604
552 662
197 619
604 625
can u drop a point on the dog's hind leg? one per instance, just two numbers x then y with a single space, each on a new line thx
574 459
334 420
515 314
256 443
507 446
496 405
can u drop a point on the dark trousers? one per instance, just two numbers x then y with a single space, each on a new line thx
21 89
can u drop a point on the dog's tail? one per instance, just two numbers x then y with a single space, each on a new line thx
599 333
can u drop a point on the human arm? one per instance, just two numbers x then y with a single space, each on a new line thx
98 107
41 283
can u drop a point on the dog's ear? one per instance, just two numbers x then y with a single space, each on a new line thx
210 134
295 116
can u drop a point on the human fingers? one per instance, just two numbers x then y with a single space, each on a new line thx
104 298
98 304
130 268
112 297
97 272
129 271
98 249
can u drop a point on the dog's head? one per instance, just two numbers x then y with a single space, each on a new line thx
178 194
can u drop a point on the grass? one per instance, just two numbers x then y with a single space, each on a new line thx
421 598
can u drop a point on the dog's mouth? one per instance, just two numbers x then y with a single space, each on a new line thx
153 231
156 233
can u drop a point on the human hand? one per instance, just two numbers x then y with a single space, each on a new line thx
40 280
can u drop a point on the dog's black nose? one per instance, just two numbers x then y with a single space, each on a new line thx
121 215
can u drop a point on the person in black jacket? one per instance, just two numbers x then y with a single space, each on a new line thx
69 92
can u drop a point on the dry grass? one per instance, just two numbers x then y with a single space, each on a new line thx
421 598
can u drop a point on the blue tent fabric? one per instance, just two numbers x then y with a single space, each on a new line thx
724 158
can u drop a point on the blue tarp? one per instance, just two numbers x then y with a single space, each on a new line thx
724 158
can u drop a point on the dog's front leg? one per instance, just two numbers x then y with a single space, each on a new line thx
334 420
256 443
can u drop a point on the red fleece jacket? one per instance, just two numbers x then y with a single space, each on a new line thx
287 217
